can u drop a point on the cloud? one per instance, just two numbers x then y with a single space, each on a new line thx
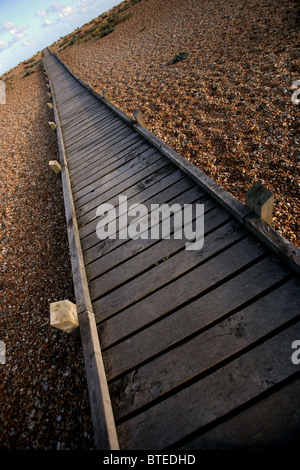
66 11
3 45
40 14
17 32
29 43
55 6
6 27
47 23
59 10
83 5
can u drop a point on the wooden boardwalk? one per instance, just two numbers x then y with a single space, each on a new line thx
184 349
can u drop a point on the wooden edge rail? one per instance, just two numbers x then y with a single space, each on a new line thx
286 250
105 435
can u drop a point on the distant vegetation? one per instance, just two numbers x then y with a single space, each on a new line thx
28 72
180 56
99 27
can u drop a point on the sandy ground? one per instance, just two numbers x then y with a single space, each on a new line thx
43 390
227 108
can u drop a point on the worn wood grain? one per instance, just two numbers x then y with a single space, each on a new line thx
127 259
158 259
183 289
115 145
213 396
270 424
129 162
129 183
195 356
124 186
98 157
200 313
164 190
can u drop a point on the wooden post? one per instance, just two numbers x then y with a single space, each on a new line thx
139 118
261 201
105 95
63 315
52 125
55 166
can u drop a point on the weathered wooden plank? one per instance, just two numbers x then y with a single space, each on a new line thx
96 167
124 185
107 155
84 124
104 126
178 365
65 98
170 268
137 198
199 314
71 107
212 397
110 143
90 112
270 424
180 193
67 94
137 255
164 273
131 151
114 167
98 135
174 295
166 187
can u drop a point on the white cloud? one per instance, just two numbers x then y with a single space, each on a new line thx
29 43
17 32
6 27
40 14
83 5
55 6
47 23
3 45
66 11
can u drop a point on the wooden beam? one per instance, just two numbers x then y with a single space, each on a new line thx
105 95
261 201
139 118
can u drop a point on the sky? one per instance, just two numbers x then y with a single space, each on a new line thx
28 26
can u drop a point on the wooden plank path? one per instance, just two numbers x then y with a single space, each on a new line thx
184 349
